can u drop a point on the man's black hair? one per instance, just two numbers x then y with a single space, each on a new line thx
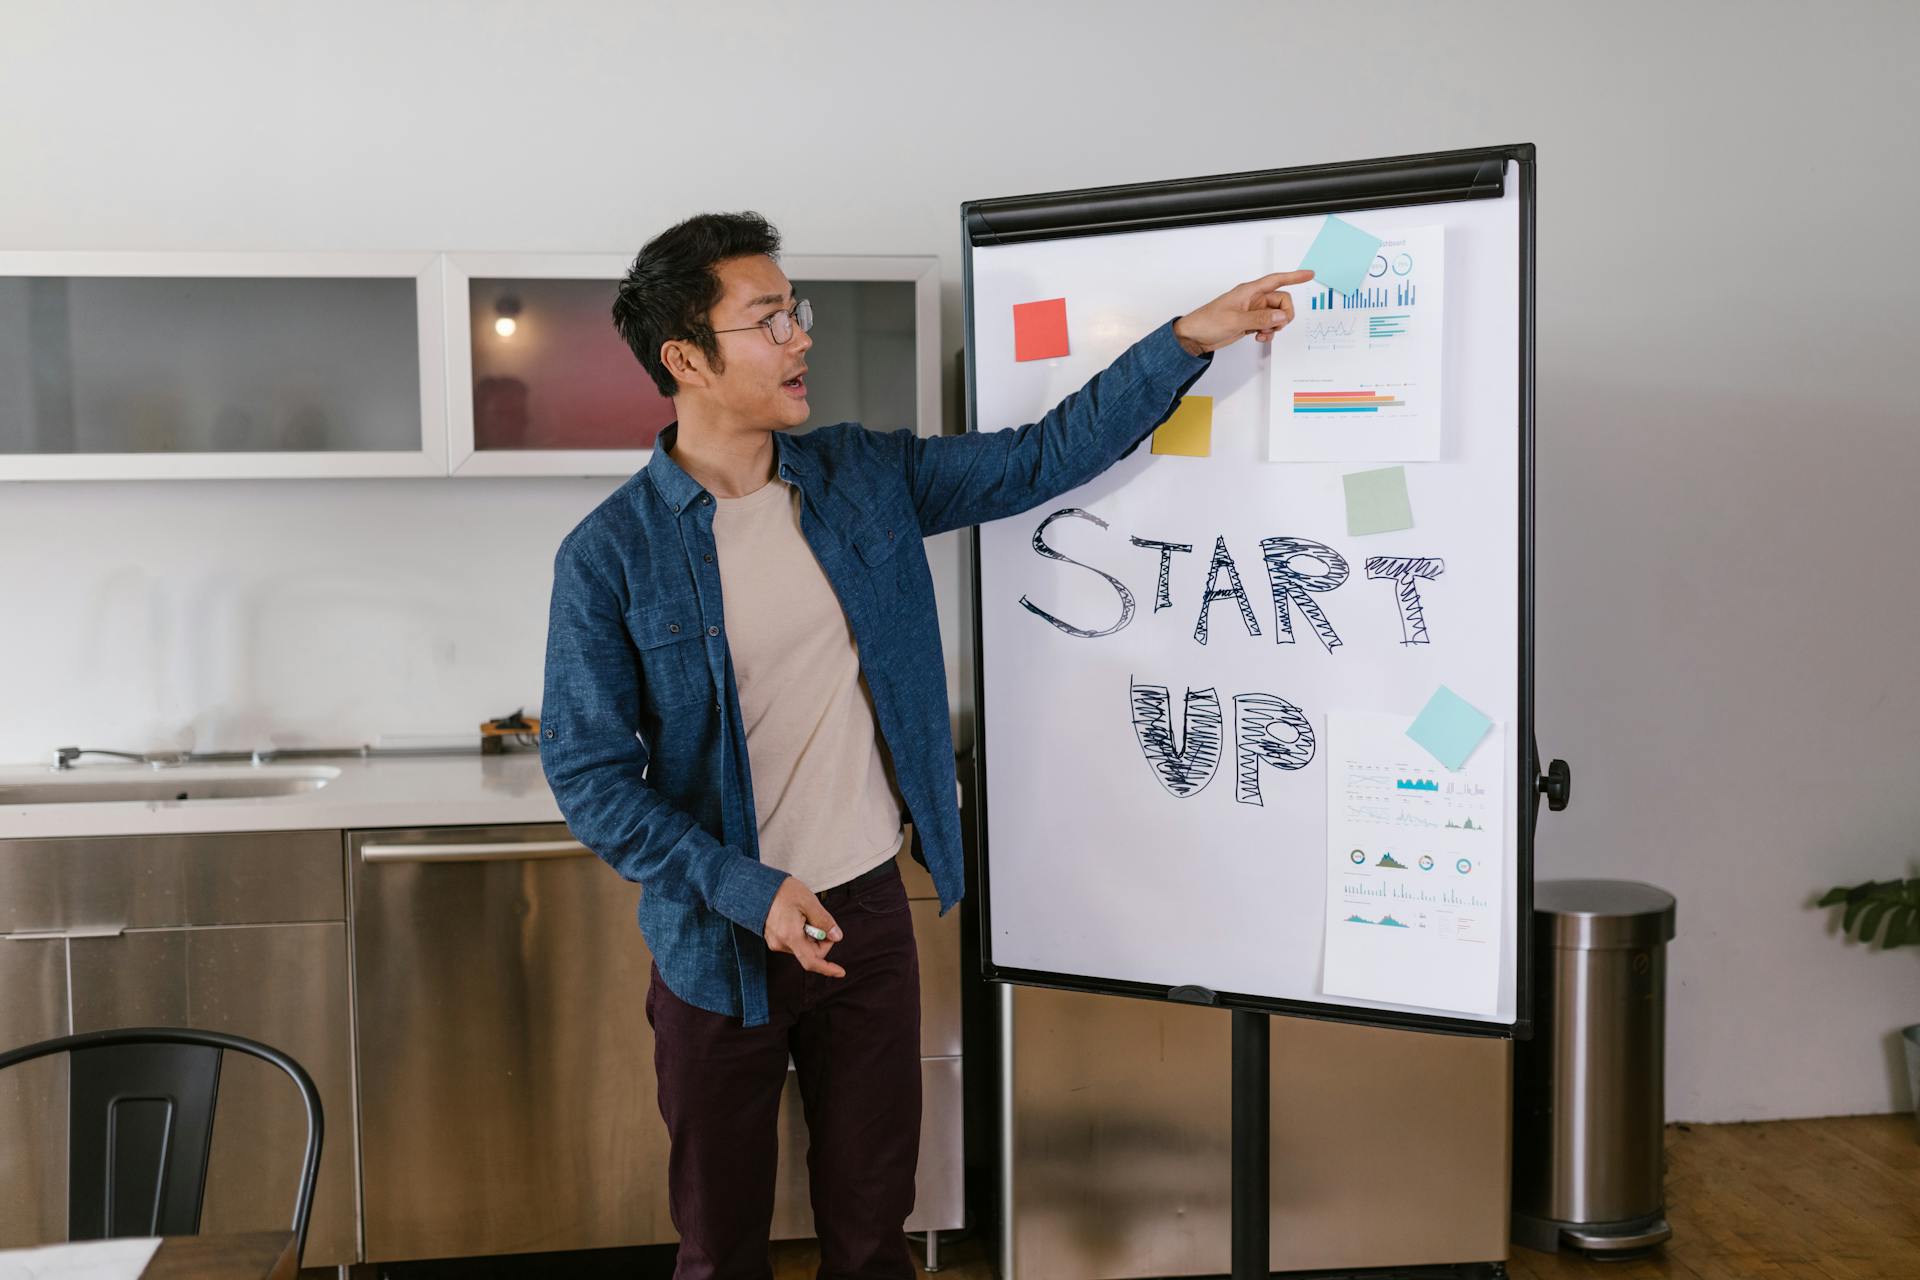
672 286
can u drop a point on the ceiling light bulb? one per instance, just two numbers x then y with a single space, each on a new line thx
505 326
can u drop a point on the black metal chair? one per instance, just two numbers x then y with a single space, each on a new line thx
140 1118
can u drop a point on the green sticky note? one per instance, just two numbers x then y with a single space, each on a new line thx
1449 728
1377 501
1341 256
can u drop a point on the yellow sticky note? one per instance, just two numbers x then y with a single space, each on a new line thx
1189 432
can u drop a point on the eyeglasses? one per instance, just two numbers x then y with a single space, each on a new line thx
781 324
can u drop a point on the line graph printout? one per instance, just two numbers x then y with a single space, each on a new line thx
1415 881
1357 375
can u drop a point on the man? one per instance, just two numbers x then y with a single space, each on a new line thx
745 698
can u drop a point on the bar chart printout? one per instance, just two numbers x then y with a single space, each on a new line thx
1357 376
1416 883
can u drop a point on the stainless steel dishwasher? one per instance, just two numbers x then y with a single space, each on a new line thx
507 1094
506 1069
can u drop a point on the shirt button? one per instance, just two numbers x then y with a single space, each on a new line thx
708 557
673 628
713 631
704 499
676 508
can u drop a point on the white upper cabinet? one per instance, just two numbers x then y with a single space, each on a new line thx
133 366
118 366
540 383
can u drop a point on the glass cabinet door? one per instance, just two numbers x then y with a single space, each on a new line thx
540 382
548 372
127 366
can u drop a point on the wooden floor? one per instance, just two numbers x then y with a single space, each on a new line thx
1834 1199
964 1259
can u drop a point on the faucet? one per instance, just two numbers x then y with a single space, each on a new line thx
64 757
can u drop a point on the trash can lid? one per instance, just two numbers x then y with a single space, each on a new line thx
1593 915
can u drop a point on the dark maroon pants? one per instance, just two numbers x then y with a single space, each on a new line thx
855 1043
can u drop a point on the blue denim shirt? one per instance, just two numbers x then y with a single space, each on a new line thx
641 735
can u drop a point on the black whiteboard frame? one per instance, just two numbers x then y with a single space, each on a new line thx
1441 177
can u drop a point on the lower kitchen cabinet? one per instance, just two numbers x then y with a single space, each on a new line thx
242 933
33 1095
284 985
470 1002
506 1066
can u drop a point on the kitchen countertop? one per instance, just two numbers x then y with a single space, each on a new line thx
406 791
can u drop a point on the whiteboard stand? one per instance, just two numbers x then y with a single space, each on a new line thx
1252 1140
1071 835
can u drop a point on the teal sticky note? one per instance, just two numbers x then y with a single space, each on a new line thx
1377 501
1341 256
1449 728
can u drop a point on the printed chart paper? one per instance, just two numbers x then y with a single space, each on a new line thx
1357 375
1416 889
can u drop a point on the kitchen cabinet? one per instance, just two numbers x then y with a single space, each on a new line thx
241 932
131 366
508 1097
540 383
470 1001
118 366
1118 1130
33 1095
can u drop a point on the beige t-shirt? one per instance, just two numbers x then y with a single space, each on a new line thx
826 806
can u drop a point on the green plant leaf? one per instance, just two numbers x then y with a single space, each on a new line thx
1903 928
1867 907
1870 919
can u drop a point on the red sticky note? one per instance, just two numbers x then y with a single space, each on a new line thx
1040 329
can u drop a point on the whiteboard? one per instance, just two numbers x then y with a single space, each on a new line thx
1095 874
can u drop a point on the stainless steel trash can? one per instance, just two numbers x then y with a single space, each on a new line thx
1590 1087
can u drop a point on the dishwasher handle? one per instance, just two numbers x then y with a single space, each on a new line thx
489 851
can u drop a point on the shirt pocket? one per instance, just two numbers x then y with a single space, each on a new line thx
673 664
875 544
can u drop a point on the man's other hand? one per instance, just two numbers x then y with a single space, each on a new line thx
1260 307
794 908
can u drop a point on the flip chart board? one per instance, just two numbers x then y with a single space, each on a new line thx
1197 675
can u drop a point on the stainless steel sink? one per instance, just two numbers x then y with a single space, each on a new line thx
170 784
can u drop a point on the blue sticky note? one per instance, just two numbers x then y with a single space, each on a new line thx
1449 728
1341 256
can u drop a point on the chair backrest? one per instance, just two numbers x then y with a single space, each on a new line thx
140 1120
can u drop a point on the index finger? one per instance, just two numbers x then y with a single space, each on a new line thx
1280 279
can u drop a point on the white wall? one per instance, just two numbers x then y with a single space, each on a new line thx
1727 342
